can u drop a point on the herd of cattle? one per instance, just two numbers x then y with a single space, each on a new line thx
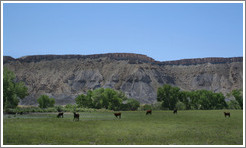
118 115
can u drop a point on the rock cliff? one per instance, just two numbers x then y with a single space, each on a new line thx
138 76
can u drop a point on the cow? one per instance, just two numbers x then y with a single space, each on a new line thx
227 114
60 115
75 116
117 114
175 111
148 112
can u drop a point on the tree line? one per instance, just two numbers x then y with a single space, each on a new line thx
172 97
106 98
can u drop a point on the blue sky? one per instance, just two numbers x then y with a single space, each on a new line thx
162 31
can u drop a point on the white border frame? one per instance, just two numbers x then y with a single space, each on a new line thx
2 2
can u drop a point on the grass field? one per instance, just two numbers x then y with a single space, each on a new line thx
134 128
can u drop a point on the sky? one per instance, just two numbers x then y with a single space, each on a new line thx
163 31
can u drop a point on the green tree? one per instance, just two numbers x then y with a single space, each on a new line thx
204 99
97 98
184 97
115 103
180 106
233 104
169 95
12 90
44 101
132 104
218 101
238 95
59 108
194 100
108 96
83 101
200 99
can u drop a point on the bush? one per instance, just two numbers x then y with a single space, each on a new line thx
50 109
157 106
147 107
67 108
233 104
70 106
106 98
180 106
238 95
9 111
44 101
133 104
23 110
130 104
59 108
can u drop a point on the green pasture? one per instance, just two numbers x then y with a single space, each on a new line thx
196 127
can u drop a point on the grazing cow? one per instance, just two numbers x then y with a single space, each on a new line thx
75 116
60 115
227 114
117 114
175 111
148 112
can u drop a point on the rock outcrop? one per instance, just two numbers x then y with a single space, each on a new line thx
203 61
116 56
138 76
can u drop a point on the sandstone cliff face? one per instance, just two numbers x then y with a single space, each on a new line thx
138 76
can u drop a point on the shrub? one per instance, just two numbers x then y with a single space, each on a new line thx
106 98
233 104
147 107
44 101
50 109
9 111
133 104
180 106
157 106
238 95
59 108
130 104
70 106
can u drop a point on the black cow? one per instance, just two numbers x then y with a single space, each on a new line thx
227 114
175 111
60 115
75 116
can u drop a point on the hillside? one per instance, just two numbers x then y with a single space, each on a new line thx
138 76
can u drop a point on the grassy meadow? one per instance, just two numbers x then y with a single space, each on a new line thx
196 127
